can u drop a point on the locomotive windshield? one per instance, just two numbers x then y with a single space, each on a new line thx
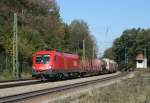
42 59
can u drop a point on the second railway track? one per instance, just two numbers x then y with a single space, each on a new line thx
14 83
22 96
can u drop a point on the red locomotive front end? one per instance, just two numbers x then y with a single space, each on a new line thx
42 64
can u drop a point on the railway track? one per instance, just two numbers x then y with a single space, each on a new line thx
15 83
18 97
6 81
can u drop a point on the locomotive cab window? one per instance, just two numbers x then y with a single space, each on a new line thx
42 59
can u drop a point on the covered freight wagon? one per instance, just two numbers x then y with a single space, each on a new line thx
91 66
110 65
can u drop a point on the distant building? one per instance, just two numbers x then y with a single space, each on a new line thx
141 61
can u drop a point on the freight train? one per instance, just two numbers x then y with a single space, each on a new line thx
53 64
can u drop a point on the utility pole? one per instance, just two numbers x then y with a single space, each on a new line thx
145 57
15 49
93 52
22 17
83 49
125 58
106 33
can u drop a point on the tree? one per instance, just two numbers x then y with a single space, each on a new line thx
80 31
108 53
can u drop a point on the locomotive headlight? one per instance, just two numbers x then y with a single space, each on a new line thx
48 67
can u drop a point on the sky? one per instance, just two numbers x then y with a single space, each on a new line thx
107 19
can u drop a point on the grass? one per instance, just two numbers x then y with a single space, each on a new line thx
133 90
7 75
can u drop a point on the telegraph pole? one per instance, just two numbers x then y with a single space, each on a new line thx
22 17
15 49
145 56
83 49
93 52
125 58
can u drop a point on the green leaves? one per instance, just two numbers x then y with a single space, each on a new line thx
30 40
79 31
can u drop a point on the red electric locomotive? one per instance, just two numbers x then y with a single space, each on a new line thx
47 64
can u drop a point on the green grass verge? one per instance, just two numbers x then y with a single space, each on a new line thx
7 75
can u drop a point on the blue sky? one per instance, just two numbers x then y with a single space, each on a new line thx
112 16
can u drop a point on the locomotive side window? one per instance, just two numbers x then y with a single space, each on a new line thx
42 59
